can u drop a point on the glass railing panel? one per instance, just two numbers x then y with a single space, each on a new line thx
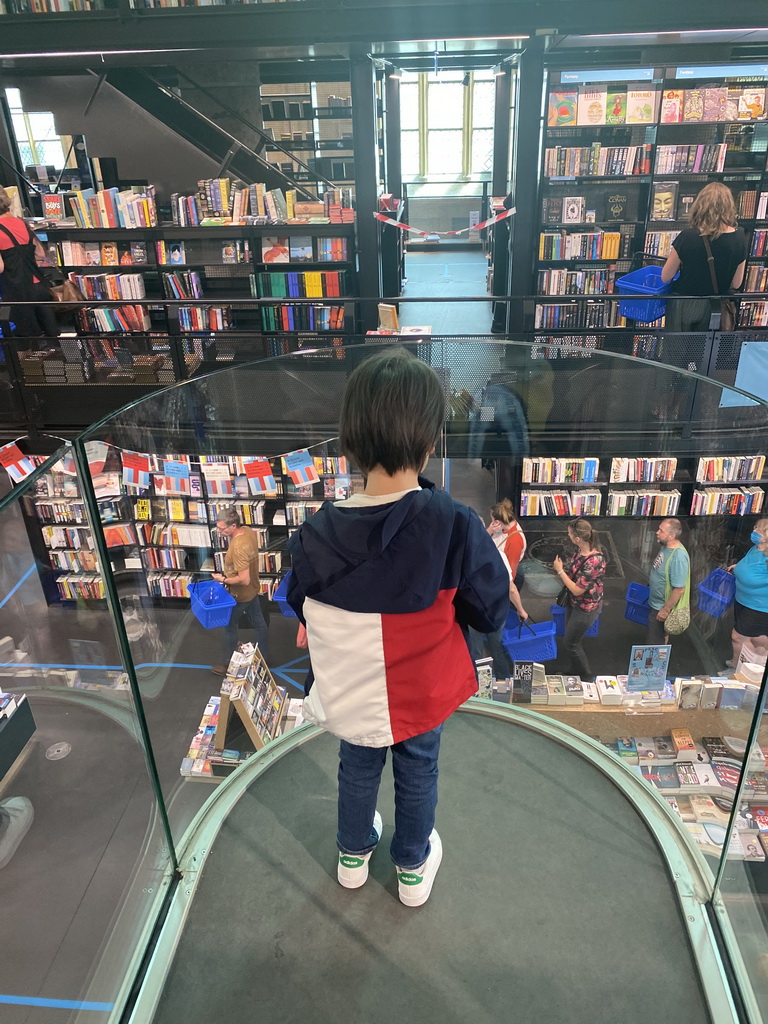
84 862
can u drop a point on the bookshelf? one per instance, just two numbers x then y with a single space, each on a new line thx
636 487
625 153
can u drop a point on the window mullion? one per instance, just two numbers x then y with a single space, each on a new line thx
466 135
423 124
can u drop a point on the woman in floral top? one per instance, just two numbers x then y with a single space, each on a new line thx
583 579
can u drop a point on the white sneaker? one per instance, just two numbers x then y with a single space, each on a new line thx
16 815
414 887
352 871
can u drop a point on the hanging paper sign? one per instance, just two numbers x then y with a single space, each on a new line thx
260 476
215 470
300 467
176 469
66 465
96 452
135 469
15 462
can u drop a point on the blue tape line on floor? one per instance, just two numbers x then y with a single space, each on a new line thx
58 1004
10 593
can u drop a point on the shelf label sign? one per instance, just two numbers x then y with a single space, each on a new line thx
610 75
724 71
260 477
648 667
179 470
300 467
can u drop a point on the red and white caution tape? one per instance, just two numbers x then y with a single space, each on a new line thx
502 215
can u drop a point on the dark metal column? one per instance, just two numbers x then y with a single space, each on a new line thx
525 175
501 134
364 128
392 155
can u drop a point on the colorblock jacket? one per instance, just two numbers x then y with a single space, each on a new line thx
386 593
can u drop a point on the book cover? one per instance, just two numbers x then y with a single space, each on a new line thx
301 249
561 109
274 249
693 105
552 210
522 682
138 252
731 112
591 105
92 254
109 254
662 776
751 104
671 106
627 749
715 100
616 106
685 748
228 252
664 200
573 209
646 751
641 106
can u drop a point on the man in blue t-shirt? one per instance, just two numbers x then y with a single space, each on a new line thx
672 553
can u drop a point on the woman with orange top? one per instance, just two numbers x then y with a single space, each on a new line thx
507 536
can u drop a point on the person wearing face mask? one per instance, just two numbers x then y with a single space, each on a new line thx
582 577
668 580
750 609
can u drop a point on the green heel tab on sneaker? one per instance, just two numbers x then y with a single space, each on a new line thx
350 862
409 878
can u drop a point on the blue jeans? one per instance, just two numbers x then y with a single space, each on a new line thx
252 611
503 666
414 766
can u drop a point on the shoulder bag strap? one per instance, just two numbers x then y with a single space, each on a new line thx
711 264
685 600
16 244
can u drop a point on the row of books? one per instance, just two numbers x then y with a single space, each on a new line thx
595 104
759 245
95 254
181 510
118 318
73 561
651 470
585 245
659 243
753 314
560 503
729 468
110 286
112 208
578 316
205 318
160 584
643 503
70 511
163 558
561 281
694 159
174 534
756 278
297 513
183 284
560 471
749 206
118 535
66 537
289 317
73 586
735 501
597 161
308 284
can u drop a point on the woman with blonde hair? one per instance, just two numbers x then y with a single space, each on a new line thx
750 609
714 230
507 536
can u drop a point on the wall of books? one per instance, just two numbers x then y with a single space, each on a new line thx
625 153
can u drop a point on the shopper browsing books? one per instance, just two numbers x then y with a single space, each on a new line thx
582 577
19 249
669 580
714 230
504 530
241 576
750 609
387 583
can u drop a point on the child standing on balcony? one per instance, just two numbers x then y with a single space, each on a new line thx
388 583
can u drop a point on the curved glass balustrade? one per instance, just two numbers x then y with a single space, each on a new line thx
122 676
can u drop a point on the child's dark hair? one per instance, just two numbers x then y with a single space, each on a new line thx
391 413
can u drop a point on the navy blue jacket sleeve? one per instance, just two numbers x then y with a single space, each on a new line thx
295 593
482 598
